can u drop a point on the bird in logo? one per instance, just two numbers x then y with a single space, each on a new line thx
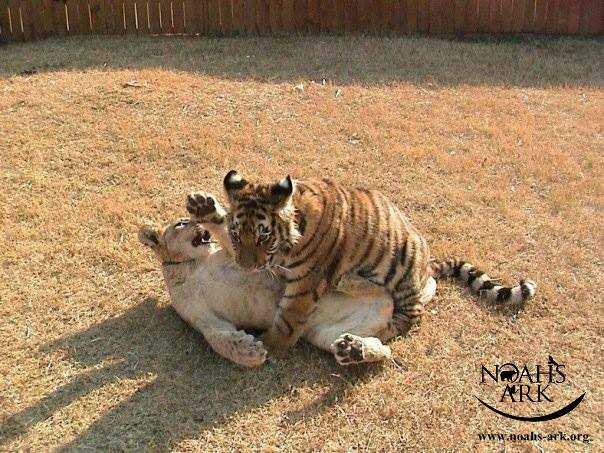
551 361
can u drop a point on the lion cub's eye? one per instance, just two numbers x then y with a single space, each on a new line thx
181 224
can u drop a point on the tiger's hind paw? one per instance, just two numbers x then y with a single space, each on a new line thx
350 349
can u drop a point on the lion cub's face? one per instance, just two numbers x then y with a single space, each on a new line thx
180 241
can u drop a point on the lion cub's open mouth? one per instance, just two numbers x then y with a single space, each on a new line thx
201 237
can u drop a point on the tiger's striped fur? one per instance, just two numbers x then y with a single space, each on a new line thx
314 232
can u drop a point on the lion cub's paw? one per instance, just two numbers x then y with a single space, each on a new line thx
204 208
248 351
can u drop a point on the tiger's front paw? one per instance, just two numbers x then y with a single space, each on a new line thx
275 343
204 208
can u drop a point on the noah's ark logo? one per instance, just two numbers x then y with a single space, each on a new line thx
527 385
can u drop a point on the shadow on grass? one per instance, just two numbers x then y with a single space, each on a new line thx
190 389
527 61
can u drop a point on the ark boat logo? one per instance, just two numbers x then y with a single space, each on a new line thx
527 385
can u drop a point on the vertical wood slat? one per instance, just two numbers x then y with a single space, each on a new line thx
130 16
507 18
529 17
97 17
435 17
276 16
517 12
238 16
495 19
412 16
143 23
484 11
552 16
178 16
326 15
165 16
540 15
5 29
313 22
263 15
350 17
250 22
460 15
226 17
9 13
363 16
447 16
84 16
472 16
574 16
423 16
27 16
562 19
300 15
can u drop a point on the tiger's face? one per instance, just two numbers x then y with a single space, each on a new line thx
261 220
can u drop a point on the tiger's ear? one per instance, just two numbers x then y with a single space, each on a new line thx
148 236
233 182
282 191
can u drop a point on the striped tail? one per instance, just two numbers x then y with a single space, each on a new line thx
481 284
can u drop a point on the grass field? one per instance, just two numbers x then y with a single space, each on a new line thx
493 148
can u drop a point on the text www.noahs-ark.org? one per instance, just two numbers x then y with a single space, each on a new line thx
533 436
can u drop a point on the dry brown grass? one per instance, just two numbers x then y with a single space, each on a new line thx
494 149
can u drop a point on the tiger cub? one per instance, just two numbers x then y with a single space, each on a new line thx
313 232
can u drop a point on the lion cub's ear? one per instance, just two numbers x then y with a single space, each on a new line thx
148 236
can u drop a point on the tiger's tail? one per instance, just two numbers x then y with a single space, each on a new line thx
481 284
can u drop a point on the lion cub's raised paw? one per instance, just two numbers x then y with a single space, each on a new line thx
204 208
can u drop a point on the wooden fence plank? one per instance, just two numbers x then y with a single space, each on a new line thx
340 16
238 16
178 19
97 17
300 15
363 22
130 17
423 16
435 17
47 17
447 16
36 12
165 16
562 19
529 17
27 17
460 15
484 15
351 16
397 17
250 21
5 22
472 16
327 15
495 19
84 15
507 19
574 15
552 16
412 16
597 17
226 17
142 15
263 15
540 16
109 17
313 16
276 16
59 17
518 11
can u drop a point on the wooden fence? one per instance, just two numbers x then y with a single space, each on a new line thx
35 19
